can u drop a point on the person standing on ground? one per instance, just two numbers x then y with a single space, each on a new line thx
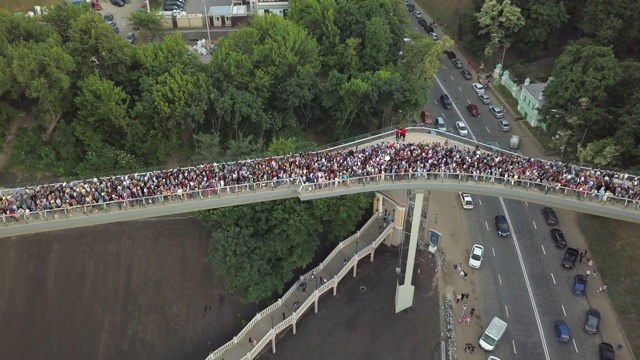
473 310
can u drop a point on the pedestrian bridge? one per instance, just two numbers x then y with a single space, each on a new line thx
155 206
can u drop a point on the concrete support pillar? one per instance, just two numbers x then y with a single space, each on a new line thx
378 203
355 267
294 326
399 219
404 292
273 343
335 288
315 302
371 255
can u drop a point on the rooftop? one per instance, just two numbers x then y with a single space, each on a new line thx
535 89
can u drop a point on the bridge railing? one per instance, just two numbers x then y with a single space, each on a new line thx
550 189
313 296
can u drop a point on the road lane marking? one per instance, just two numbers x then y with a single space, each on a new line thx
435 101
565 313
500 279
443 116
480 201
444 66
514 347
575 346
460 88
526 203
494 251
554 279
452 77
487 130
487 225
506 310
542 246
473 137
534 225
527 283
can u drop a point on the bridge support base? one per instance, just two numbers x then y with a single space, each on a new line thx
404 292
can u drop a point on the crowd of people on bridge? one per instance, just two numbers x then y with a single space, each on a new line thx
322 168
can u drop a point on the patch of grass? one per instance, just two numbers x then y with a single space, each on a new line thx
614 245
512 103
26 5
445 12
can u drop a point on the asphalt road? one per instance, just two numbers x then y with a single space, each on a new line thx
521 279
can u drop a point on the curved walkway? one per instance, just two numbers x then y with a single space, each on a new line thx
267 324
422 163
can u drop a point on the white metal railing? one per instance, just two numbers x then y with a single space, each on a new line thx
313 296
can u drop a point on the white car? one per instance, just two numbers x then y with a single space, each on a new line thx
462 128
466 201
475 259
434 36
497 111
417 14
478 88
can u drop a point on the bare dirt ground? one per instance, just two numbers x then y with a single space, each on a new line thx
134 290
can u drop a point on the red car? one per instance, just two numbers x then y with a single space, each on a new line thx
473 110
96 5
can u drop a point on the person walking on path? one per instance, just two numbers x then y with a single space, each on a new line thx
582 255
602 289
464 309
619 348
458 298
473 310
283 316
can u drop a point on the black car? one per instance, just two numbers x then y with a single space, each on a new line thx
451 55
117 2
411 8
606 351
550 216
558 238
445 100
428 28
502 226
108 17
592 321
466 74
422 22
570 257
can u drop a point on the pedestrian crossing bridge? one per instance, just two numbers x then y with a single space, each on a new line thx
155 206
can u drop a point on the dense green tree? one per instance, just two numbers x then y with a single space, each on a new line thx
318 18
148 20
339 225
208 148
60 18
103 116
377 44
501 21
543 20
614 23
258 247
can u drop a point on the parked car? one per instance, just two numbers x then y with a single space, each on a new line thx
563 334
96 5
502 226
445 100
497 111
466 200
417 14
108 17
450 54
475 259
466 74
131 38
473 110
570 257
550 216
478 88
411 7
422 22
485 99
592 321
434 36
606 351
117 2
126 1
558 238
579 285
504 125
112 23
462 128
457 63
116 30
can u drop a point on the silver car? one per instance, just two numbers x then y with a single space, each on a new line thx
484 98
497 111
504 125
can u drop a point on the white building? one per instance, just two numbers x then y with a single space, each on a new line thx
269 7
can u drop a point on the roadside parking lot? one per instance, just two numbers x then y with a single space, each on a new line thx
121 15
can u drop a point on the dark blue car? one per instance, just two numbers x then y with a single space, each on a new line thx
579 285
563 334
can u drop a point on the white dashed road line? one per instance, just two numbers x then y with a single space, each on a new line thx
553 278
506 310
489 131
534 225
542 246
486 224
575 346
500 279
480 201
564 312
514 347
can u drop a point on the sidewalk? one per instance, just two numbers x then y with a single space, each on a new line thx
456 249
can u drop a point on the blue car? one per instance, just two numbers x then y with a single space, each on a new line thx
563 334
579 285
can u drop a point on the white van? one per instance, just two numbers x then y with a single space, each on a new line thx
492 335
440 125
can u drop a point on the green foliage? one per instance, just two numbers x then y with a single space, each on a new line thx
149 21
501 21
258 247
29 154
614 23
543 21
339 225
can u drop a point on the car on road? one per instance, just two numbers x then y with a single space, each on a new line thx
558 238
457 63
450 54
502 226
493 146
550 216
131 38
478 88
466 200
473 110
118 3
445 100
504 125
411 7
485 99
563 334
592 321
462 128
569 258
116 30
422 22
417 14
606 352
466 74
579 285
496 111
108 17
434 36
475 259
